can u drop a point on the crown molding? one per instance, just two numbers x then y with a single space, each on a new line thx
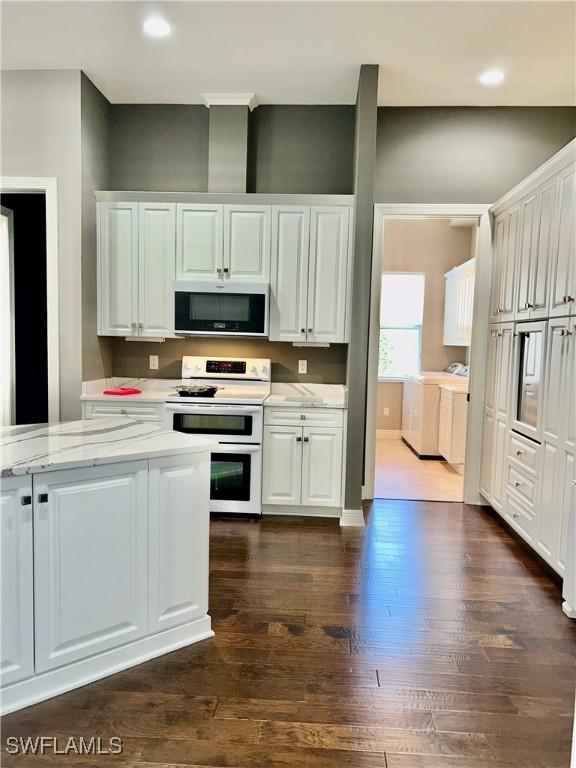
230 100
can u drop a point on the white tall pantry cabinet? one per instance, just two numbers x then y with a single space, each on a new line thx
529 480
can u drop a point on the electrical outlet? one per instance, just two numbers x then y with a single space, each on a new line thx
386 411
153 362
302 366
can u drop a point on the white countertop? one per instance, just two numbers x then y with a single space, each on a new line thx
153 390
460 387
40 447
308 395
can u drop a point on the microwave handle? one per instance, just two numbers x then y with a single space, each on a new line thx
219 409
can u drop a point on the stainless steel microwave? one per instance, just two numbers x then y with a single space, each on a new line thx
220 308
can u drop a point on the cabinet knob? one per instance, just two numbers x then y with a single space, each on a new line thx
42 498
517 483
306 439
303 330
26 501
527 305
309 330
518 452
298 439
226 270
302 417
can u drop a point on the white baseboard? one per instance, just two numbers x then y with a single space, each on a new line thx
57 681
352 518
568 610
388 434
281 510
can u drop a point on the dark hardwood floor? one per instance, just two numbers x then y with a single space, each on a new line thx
430 640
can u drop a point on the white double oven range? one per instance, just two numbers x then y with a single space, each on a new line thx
223 399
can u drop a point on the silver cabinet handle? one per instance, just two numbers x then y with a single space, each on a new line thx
527 305
133 326
141 326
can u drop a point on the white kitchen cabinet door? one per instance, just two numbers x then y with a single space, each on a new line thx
527 254
563 268
289 270
568 476
505 365
521 517
322 467
570 389
90 560
17 569
117 269
328 270
498 250
557 385
508 267
282 465
178 540
500 450
247 243
488 449
545 239
157 242
199 241
491 360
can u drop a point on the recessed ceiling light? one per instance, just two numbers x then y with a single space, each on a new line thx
492 77
156 26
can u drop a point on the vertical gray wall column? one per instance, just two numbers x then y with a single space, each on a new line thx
364 165
227 149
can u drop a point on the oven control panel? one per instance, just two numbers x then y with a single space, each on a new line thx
225 366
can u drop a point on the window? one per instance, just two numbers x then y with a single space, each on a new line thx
401 312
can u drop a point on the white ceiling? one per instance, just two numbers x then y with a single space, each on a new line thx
430 53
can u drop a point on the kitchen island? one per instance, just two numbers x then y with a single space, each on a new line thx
104 551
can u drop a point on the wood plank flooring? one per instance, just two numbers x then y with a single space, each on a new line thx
430 640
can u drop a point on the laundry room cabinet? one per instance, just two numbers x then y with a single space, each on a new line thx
459 304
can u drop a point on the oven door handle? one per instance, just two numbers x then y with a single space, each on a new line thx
208 409
237 448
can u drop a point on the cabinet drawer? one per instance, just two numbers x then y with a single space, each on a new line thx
520 517
313 417
141 411
525 452
522 484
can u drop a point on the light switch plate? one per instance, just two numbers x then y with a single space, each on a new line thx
153 362
302 366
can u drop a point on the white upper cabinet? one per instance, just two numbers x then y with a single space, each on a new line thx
136 246
289 279
117 269
499 243
199 241
247 243
17 568
563 267
327 273
544 237
156 269
508 271
459 304
527 256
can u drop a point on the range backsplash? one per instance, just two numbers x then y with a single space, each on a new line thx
325 365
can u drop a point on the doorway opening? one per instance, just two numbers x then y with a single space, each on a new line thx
425 297
23 284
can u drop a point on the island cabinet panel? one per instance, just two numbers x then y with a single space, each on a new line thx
90 560
16 638
178 541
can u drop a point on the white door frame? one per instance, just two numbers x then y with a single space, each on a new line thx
383 211
7 395
49 187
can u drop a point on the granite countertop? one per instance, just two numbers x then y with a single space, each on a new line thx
42 447
153 390
308 395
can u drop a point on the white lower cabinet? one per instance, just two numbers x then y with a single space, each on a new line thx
17 630
321 467
302 465
178 543
90 561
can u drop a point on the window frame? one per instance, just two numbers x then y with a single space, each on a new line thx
419 327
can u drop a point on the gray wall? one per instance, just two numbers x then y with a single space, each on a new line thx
159 147
326 366
364 163
464 154
301 149
95 114
41 137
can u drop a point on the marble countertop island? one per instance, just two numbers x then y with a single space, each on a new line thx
42 447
